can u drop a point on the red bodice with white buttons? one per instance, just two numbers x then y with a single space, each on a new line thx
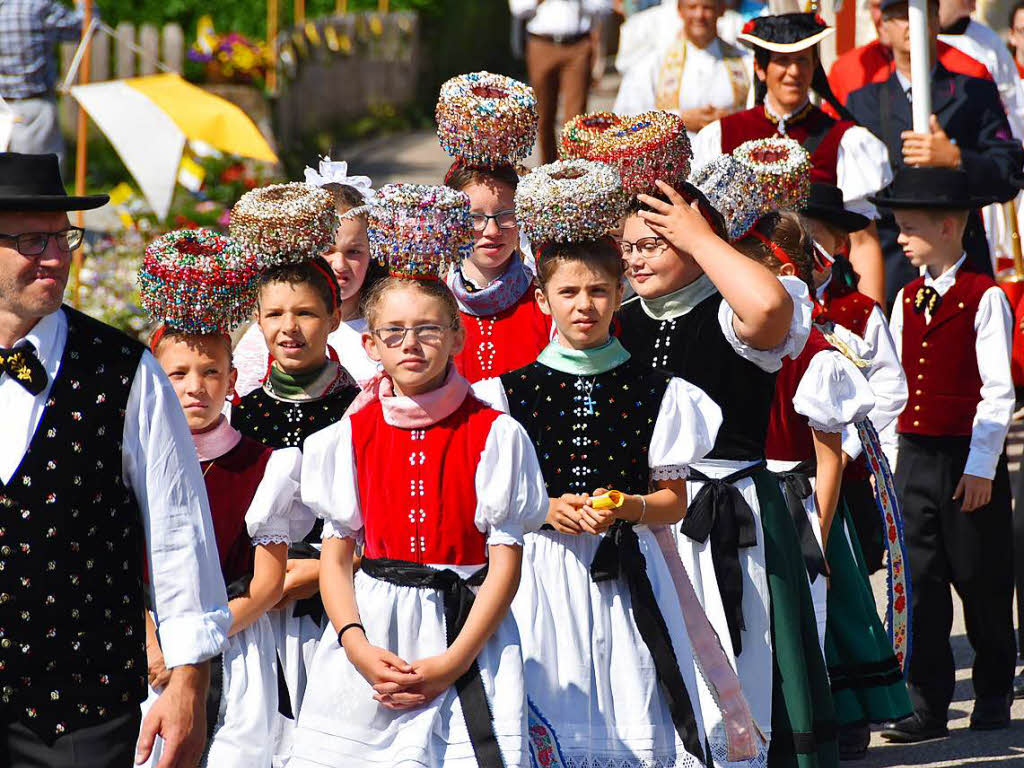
507 341
417 486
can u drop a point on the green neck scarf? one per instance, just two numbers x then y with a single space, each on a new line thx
294 385
678 303
584 362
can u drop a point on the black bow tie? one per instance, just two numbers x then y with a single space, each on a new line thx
926 298
22 365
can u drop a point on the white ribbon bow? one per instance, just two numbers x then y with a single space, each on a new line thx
337 173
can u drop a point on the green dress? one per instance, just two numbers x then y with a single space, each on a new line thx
867 682
803 714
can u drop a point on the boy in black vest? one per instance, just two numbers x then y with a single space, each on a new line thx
952 327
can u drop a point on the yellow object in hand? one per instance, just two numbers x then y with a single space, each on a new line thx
610 500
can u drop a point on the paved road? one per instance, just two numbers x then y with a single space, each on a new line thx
417 157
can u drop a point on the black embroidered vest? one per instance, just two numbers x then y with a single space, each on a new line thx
287 423
589 431
694 348
72 638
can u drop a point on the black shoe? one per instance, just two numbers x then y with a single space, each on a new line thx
1018 687
915 728
853 741
991 713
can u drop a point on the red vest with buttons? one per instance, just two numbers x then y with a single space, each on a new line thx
753 123
504 342
940 360
417 486
847 307
789 435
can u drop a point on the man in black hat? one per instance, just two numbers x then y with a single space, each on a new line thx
968 130
952 327
100 488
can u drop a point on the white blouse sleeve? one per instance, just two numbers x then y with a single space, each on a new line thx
862 168
250 359
492 392
511 498
832 393
276 514
706 145
329 485
685 431
770 360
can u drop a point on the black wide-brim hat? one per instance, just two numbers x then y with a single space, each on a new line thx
825 203
33 183
934 188
785 32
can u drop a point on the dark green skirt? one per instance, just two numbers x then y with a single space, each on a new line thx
867 682
803 714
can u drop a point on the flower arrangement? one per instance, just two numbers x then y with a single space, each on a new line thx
230 58
107 287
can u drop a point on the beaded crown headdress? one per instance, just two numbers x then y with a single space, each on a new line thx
285 223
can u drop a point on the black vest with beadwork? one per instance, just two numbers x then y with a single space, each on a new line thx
287 423
589 431
72 637
694 348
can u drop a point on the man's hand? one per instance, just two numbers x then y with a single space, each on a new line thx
157 672
932 149
179 717
697 118
975 491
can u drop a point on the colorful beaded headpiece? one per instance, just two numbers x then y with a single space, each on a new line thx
570 201
733 189
419 230
285 223
783 170
646 147
198 282
486 120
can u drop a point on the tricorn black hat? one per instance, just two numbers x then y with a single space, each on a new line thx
33 183
785 32
927 187
826 203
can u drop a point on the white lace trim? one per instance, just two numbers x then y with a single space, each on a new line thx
678 472
271 538
686 760
720 752
830 429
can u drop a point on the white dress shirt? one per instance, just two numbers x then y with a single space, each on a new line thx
993 326
862 164
559 18
160 467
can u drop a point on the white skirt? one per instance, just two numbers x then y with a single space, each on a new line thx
341 725
296 639
242 737
588 670
754 665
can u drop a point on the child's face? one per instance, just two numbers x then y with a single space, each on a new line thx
200 371
349 257
295 323
659 274
582 301
920 234
416 362
494 245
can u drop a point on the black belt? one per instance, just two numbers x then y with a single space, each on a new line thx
617 555
458 600
796 488
720 512
562 39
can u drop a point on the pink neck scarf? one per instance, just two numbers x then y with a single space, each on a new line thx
216 441
418 411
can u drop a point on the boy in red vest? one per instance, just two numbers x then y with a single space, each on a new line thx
952 328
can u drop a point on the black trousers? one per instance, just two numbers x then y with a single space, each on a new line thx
1018 559
110 744
973 552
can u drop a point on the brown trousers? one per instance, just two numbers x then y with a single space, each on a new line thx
555 69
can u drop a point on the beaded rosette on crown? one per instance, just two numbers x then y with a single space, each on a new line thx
645 147
418 230
285 223
733 189
486 120
197 281
783 170
570 201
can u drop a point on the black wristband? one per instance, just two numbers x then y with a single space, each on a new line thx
346 628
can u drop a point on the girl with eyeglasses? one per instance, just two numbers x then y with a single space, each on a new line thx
504 327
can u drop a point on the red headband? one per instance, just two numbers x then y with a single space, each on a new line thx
332 283
162 330
774 247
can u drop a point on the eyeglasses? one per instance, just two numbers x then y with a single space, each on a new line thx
394 335
504 220
645 247
34 243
